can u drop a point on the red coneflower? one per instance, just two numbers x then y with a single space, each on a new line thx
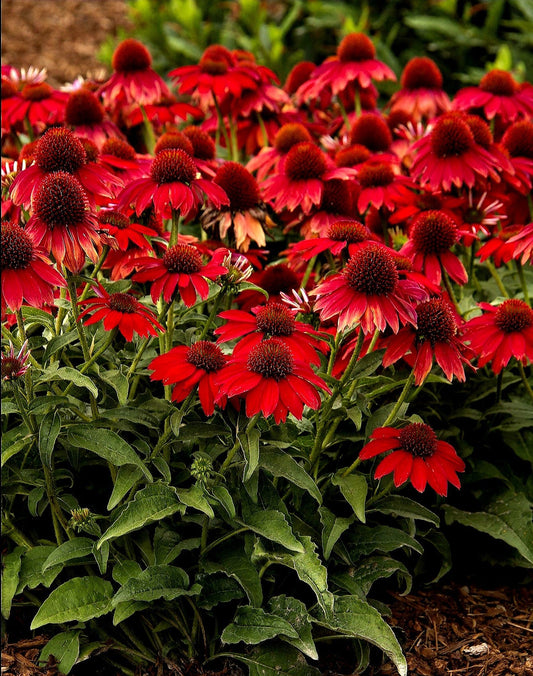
59 149
338 202
273 320
181 269
126 233
355 62
62 221
85 115
37 102
161 113
523 244
518 142
120 157
381 185
269 160
218 74
449 155
133 81
301 183
343 236
372 131
246 216
27 274
368 291
498 94
436 336
417 455
189 367
174 185
421 95
274 279
502 332
122 311
431 235
272 380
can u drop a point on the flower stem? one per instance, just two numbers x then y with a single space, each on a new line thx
525 379
237 444
209 321
95 272
401 399
95 356
522 279
497 278
174 233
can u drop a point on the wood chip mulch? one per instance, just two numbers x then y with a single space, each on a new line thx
464 631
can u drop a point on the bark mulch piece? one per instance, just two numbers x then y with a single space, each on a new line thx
20 659
464 631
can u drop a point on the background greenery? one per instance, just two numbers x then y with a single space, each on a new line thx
462 37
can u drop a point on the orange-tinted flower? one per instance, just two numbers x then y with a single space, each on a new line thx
417 455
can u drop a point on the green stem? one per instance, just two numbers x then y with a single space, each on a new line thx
308 271
174 232
148 132
12 532
403 395
351 468
95 356
344 114
221 125
449 288
522 279
237 444
212 315
327 408
22 404
214 544
497 278
95 272
525 379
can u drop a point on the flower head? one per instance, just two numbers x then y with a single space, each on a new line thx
368 291
502 332
421 95
417 455
182 269
272 381
15 365
189 367
120 310
27 274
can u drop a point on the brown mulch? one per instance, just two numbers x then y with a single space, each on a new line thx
63 36
466 631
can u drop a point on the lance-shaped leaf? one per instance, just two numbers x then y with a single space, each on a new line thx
196 498
276 659
10 579
80 599
107 444
155 582
333 528
354 489
295 613
153 503
78 548
65 647
356 618
281 464
48 433
233 561
272 525
254 625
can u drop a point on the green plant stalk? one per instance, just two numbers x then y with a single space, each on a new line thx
28 381
13 533
221 126
144 651
95 356
148 132
174 228
17 343
236 445
95 272
57 516
496 278
403 396
214 310
521 277
308 271
525 379
449 288
326 410
344 113
168 429
197 622
263 130
81 333
215 543
22 404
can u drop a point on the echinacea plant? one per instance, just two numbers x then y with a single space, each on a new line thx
222 300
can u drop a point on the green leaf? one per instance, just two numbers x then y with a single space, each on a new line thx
295 613
360 580
507 518
58 343
78 548
276 659
48 433
368 364
354 489
107 444
218 588
254 625
398 505
101 556
80 599
126 478
333 528
33 314
354 617
12 448
9 407
123 570
118 382
10 579
47 403
279 463
153 503
223 497
233 562
127 609
272 525
31 569
70 375
65 647
196 498
365 540
250 448
155 582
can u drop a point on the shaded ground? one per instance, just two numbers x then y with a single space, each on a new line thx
63 36
447 630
